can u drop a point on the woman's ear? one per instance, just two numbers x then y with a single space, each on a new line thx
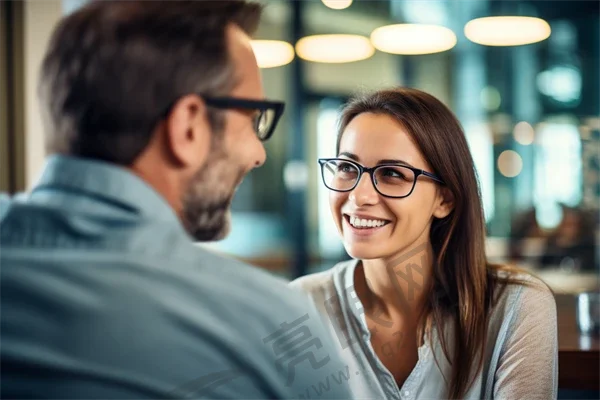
445 203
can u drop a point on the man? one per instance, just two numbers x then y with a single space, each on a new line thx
154 112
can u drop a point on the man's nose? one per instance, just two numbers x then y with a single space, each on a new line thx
259 154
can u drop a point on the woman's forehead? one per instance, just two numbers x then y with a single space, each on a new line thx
373 137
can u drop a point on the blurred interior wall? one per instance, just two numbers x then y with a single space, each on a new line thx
25 27
40 18
12 177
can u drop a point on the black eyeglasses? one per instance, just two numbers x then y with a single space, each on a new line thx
265 120
390 180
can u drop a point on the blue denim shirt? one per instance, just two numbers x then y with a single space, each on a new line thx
104 295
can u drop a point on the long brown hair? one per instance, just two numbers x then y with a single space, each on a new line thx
464 283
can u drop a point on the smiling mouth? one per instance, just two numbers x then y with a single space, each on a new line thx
365 223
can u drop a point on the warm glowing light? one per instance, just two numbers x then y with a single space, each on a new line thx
411 39
593 123
337 4
507 31
524 133
272 53
510 163
334 48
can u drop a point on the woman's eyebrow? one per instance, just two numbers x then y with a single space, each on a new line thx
383 161
349 155
390 161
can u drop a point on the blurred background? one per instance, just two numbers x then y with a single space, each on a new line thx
527 95
529 105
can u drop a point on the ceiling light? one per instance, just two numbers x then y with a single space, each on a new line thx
272 53
337 4
507 31
334 48
411 39
524 133
510 163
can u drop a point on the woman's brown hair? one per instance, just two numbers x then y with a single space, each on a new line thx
464 283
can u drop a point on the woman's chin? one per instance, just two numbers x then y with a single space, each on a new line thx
362 251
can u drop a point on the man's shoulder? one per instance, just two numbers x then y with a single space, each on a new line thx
278 323
266 301
239 273
250 288
4 204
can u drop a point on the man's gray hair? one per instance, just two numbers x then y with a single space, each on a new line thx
114 68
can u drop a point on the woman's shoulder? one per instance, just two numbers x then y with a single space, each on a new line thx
523 334
321 282
518 281
520 293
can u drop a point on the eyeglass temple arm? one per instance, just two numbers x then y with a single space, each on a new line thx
432 176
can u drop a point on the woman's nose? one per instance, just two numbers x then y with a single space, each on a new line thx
364 193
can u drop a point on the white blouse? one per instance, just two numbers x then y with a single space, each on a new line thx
520 359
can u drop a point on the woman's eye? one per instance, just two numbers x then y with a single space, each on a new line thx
345 167
391 173
395 174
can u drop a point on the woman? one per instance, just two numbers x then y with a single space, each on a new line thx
419 312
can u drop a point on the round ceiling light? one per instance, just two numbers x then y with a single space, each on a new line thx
334 48
510 163
337 4
272 53
524 133
413 39
507 31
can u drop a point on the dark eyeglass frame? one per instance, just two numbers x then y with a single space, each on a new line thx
247 104
232 103
371 171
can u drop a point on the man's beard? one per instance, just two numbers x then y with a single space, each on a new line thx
207 201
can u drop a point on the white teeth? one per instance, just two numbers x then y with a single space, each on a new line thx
366 223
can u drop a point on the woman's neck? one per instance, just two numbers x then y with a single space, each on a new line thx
396 286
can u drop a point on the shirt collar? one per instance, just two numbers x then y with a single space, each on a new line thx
350 298
105 181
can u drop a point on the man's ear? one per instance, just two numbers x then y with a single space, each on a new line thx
445 203
188 132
